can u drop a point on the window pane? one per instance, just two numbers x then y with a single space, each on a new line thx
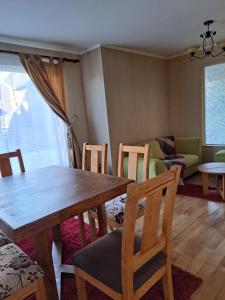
28 123
215 104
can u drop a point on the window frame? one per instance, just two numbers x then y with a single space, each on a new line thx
203 105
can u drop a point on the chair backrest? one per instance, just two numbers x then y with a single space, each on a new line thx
133 153
156 235
5 163
90 158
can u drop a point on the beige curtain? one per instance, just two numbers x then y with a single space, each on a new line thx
48 78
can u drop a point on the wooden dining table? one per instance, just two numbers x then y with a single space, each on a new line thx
35 203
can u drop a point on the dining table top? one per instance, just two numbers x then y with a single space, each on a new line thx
36 200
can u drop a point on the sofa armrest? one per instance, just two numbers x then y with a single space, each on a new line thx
189 145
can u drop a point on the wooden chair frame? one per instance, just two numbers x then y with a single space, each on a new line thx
5 164
153 240
133 153
93 151
36 288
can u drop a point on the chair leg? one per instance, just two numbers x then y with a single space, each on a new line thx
92 226
81 287
168 283
111 228
82 230
41 294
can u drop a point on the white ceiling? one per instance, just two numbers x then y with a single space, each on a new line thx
163 27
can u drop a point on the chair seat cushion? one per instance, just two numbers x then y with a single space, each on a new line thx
4 239
115 208
17 270
102 260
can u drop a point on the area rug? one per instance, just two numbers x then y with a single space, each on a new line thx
195 190
184 283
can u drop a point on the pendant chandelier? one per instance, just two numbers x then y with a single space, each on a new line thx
208 48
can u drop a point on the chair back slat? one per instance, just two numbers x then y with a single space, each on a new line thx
151 220
133 154
5 163
94 161
90 158
120 160
154 237
132 165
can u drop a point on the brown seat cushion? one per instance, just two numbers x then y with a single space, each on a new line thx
102 260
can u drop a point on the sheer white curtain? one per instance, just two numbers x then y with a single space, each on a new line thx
26 121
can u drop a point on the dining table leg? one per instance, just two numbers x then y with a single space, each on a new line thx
57 233
57 254
42 247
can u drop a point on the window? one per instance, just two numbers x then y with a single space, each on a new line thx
26 120
214 108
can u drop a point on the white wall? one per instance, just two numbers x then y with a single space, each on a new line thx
126 98
136 88
94 89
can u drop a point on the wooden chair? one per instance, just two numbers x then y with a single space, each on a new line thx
20 277
36 288
5 164
10 253
124 265
90 162
115 207
6 170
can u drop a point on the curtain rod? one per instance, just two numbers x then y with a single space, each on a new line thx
75 61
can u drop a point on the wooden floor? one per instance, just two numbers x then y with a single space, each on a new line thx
199 243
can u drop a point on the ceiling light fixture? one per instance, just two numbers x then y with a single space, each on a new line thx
209 48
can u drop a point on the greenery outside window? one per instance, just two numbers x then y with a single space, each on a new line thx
214 104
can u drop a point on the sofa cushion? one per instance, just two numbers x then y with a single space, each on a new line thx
189 145
220 156
17 270
190 159
102 260
155 150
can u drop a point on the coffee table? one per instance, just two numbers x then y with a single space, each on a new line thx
216 168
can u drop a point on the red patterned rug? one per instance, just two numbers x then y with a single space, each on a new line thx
195 190
184 283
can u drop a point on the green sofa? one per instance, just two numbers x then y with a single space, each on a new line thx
189 147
